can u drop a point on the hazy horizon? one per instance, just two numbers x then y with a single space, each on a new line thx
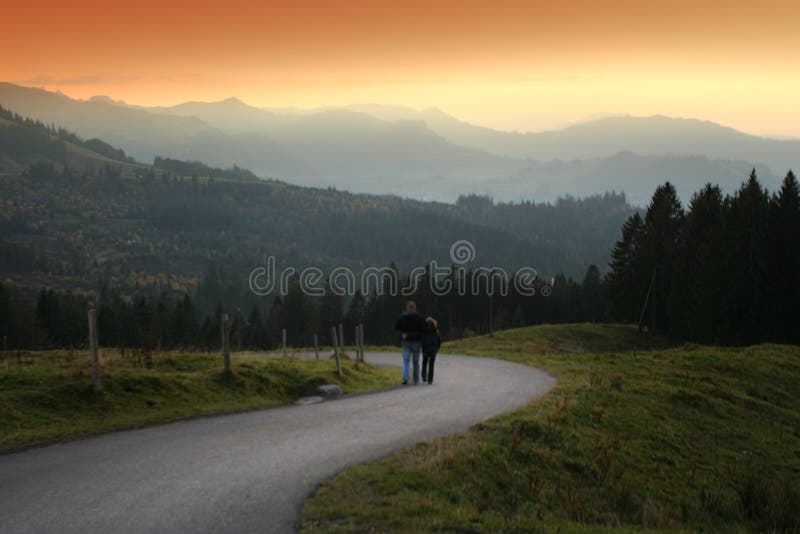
521 66
355 105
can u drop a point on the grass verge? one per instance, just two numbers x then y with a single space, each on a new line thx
46 396
635 436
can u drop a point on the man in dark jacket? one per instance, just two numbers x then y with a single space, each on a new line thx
431 341
410 325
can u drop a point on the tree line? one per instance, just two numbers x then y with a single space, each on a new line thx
172 321
723 271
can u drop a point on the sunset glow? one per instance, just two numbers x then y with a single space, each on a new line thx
509 65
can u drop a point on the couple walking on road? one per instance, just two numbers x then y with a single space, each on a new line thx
417 335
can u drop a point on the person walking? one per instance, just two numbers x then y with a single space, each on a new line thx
410 325
430 343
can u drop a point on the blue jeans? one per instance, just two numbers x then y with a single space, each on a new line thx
410 350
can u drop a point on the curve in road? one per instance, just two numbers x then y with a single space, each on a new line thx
247 472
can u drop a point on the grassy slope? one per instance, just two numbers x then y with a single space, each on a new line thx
673 439
47 396
80 157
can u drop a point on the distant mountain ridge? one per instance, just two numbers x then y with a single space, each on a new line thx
654 135
424 155
143 134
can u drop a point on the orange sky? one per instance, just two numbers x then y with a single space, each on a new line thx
512 65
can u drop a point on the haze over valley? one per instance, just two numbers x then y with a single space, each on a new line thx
427 154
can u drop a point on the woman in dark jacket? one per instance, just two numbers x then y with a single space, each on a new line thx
430 341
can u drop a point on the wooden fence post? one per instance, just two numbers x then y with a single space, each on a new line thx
94 349
226 342
341 337
361 342
357 349
316 346
650 289
336 350
361 339
283 342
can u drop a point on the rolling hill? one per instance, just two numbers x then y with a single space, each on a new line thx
636 436
354 150
654 136
142 134
75 218
24 142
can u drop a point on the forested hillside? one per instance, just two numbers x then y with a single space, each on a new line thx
82 224
124 230
25 142
106 235
95 229
583 227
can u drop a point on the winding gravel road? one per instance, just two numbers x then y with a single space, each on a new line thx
246 472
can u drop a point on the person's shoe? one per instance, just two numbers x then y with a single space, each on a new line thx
405 382
424 379
430 382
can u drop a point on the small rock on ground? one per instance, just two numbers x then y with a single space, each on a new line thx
329 390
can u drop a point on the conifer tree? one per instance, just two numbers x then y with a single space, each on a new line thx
699 289
620 289
784 261
658 250
747 275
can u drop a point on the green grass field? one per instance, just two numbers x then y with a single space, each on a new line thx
637 435
46 396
